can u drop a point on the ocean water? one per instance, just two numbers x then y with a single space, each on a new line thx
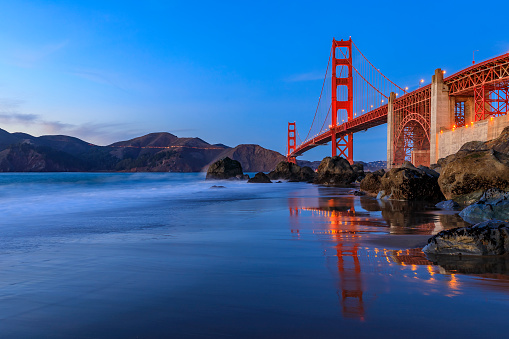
164 255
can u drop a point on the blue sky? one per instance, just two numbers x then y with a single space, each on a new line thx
227 72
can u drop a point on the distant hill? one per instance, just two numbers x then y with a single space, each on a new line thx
253 158
154 152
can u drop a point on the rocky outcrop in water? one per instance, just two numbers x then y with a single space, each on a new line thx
476 167
448 205
494 204
410 183
289 171
260 178
371 182
486 238
336 171
225 169
469 175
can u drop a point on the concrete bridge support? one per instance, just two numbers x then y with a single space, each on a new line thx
441 112
390 130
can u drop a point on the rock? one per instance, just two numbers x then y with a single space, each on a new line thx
408 164
381 195
358 167
357 193
487 238
447 205
279 182
371 182
494 204
428 171
410 183
217 186
289 171
465 178
335 171
260 178
307 174
225 168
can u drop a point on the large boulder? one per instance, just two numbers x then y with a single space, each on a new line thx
494 204
225 168
358 168
410 183
466 177
289 171
260 178
487 238
371 182
335 171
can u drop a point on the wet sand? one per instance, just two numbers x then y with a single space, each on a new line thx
397 242
304 262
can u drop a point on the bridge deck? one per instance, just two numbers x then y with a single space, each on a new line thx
486 74
371 119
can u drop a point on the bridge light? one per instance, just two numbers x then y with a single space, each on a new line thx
371 106
406 88
382 100
422 80
363 110
443 71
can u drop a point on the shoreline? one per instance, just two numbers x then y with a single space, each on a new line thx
397 241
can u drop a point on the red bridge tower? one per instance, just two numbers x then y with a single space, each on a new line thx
343 144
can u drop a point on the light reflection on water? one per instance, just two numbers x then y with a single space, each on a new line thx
342 222
181 260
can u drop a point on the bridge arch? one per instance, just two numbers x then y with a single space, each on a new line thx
412 140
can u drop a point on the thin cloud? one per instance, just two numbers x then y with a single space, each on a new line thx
29 57
17 118
99 133
310 76
97 77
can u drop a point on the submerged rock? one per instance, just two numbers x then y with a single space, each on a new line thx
487 238
225 168
494 204
448 205
335 171
260 178
289 171
217 186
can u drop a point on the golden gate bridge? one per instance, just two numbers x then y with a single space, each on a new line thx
361 97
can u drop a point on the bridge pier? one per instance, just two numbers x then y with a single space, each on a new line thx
440 111
390 131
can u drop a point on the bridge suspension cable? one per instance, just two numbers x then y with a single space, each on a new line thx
371 90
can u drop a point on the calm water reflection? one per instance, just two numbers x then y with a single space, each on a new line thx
165 256
344 223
